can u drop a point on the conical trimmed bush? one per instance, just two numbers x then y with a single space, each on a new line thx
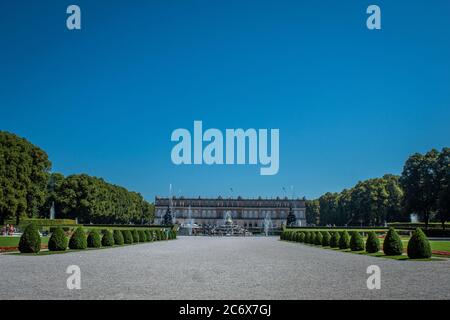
58 240
107 239
344 240
142 236
326 237
118 238
419 246
334 241
356 242
78 240
392 245
135 234
30 241
318 239
301 237
93 239
127 237
372 243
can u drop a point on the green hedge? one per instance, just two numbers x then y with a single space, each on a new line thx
135 234
30 241
356 242
78 240
326 237
372 243
334 241
344 240
108 239
392 245
419 246
58 240
127 237
94 240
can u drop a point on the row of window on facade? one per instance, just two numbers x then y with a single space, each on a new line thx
234 214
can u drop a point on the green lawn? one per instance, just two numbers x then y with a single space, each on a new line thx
7 241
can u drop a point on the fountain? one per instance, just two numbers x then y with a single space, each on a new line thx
229 228
190 223
267 224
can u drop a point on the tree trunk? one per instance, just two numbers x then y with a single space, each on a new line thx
427 217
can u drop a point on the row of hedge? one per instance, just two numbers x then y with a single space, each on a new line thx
418 245
30 241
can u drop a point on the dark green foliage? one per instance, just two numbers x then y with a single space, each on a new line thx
301 237
135 234
148 235
127 237
58 241
307 236
356 242
24 173
30 241
291 219
344 240
78 240
334 241
419 246
326 237
392 245
318 239
118 238
142 236
93 239
312 240
107 239
372 243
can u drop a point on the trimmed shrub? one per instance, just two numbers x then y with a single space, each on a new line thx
312 238
58 241
372 243
356 242
326 237
142 236
78 240
392 245
419 246
135 234
108 239
118 238
307 236
149 235
30 241
344 240
318 239
334 241
301 237
93 239
127 237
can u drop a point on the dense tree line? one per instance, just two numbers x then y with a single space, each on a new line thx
24 173
426 182
423 189
28 190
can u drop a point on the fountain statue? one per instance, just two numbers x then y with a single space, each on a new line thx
267 224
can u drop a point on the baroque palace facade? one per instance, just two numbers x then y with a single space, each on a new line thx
248 213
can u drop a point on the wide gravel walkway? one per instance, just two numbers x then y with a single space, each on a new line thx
219 268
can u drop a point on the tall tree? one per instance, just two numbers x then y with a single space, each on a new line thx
420 184
313 211
24 172
443 176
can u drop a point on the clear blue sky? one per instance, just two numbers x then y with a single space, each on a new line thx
350 103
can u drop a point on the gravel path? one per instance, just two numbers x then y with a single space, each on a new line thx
220 268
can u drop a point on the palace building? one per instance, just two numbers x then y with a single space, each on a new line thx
248 213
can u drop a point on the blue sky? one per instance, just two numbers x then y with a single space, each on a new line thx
350 103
